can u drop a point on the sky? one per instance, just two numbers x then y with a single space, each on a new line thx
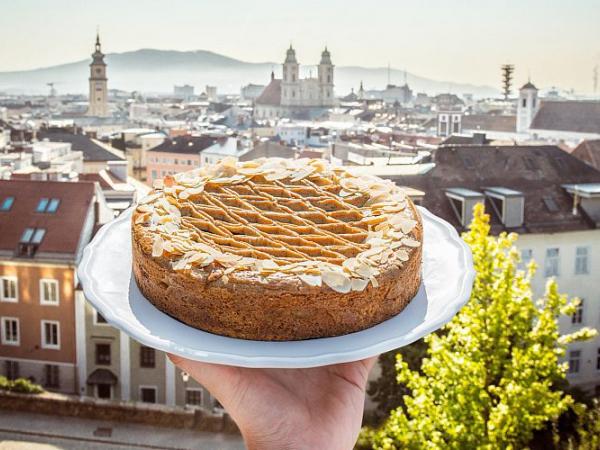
556 43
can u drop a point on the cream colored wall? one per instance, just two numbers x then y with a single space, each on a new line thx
146 376
586 287
102 334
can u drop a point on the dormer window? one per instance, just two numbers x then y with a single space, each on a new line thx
462 201
508 205
587 197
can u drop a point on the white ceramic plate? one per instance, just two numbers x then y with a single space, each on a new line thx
106 275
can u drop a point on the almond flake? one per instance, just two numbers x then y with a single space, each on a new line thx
359 284
311 280
410 242
336 281
157 247
374 282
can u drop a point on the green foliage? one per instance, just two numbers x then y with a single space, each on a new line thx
21 385
587 428
385 390
490 378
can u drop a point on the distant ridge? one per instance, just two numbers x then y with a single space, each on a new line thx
151 70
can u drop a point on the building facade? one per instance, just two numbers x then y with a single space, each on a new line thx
98 84
45 225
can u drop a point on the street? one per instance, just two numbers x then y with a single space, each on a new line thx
20 431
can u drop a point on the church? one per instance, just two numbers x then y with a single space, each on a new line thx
295 97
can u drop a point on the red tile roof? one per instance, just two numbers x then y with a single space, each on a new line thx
589 152
64 228
271 95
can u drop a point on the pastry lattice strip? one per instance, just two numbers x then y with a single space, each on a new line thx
283 222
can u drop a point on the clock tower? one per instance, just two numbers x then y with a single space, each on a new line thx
98 99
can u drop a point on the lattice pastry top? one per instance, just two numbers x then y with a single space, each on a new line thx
279 218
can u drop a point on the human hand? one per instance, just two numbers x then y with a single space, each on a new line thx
316 408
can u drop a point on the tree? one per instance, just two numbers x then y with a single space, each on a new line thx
385 390
490 379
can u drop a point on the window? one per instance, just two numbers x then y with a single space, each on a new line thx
10 331
577 316
9 291
47 205
32 235
48 292
524 103
550 204
147 357
41 207
53 205
11 369
154 175
51 376
526 257
574 357
582 261
551 264
103 354
148 394
193 396
50 334
7 204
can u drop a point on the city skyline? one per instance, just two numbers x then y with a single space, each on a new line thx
462 41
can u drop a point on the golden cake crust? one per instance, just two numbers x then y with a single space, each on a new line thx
248 304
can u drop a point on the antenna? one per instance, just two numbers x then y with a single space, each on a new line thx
507 77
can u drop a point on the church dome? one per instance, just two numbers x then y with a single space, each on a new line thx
290 56
325 57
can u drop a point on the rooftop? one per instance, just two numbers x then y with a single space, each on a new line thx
92 151
63 224
573 116
185 144
539 172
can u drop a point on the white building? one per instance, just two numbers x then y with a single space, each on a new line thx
223 148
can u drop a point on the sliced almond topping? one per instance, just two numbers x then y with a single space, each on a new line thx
157 247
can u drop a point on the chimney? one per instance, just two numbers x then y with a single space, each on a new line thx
478 138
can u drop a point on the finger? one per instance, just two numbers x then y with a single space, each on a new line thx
220 380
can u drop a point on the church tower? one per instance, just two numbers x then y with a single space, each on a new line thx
527 107
290 85
98 98
325 71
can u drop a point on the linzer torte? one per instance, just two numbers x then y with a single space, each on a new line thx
277 249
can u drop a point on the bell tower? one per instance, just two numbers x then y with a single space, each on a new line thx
527 107
290 85
98 93
325 71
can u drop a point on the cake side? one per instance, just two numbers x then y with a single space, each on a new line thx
247 306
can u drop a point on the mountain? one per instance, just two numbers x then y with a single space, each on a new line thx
157 71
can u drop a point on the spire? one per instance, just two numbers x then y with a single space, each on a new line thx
98 39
